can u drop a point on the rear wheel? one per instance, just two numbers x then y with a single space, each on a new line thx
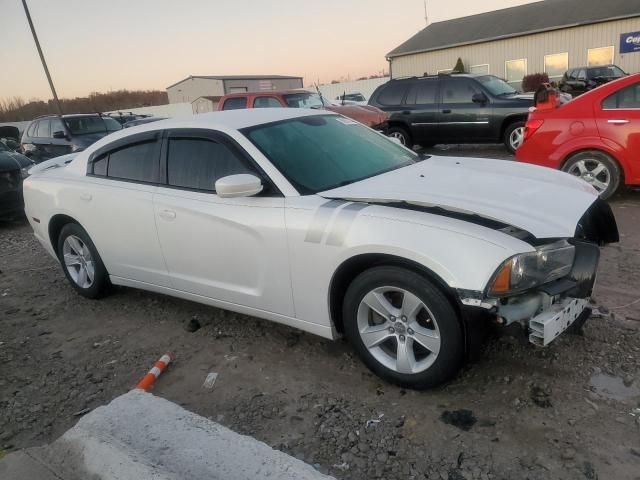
514 136
81 262
402 135
596 168
404 329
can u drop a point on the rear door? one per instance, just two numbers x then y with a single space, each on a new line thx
391 99
618 120
421 109
460 119
232 250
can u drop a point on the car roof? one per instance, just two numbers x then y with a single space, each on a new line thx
441 75
267 93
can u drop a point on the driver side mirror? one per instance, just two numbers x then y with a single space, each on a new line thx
241 185
59 134
479 98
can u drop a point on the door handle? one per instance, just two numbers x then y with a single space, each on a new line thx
618 121
446 111
86 197
167 214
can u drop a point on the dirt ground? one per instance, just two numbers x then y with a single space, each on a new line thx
570 411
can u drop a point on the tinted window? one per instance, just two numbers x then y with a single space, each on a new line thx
628 97
457 90
235 103
136 162
198 163
393 93
32 129
111 124
582 74
266 102
303 100
495 85
56 126
100 166
43 129
422 92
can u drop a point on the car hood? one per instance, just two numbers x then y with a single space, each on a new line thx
83 141
545 202
365 114
10 161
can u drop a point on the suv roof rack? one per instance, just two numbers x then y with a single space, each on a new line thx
404 78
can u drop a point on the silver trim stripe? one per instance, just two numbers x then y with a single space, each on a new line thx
321 219
341 224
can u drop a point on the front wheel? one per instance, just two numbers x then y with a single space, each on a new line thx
81 262
402 135
597 169
514 136
403 328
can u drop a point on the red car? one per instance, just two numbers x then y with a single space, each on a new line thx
370 116
595 136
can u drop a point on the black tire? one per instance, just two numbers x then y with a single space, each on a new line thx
401 134
451 354
100 283
590 157
507 134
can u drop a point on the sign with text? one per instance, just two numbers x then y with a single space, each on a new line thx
630 42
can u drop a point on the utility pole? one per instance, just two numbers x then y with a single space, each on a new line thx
44 64
426 18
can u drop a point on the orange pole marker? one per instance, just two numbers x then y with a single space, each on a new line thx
147 381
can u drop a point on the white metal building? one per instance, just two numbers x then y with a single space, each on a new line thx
196 86
548 36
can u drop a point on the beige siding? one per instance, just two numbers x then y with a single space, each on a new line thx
575 41
193 88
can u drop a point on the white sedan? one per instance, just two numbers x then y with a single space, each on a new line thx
312 220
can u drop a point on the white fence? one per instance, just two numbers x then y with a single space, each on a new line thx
365 87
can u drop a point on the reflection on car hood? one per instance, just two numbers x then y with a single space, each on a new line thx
545 202
83 141
365 114
10 161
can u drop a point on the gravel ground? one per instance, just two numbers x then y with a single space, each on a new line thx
570 411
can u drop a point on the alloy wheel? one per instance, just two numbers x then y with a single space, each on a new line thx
399 136
398 330
592 171
78 261
516 138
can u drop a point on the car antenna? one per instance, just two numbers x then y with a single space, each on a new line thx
344 95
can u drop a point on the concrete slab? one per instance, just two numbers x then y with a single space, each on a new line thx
145 437
20 465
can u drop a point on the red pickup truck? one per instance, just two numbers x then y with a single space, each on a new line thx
370 116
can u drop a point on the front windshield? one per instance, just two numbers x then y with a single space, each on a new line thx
496 86
322 152
606 72
89 125
303 100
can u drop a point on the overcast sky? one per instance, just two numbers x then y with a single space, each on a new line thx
96 45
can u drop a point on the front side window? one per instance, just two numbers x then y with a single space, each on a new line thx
134 162
111 124
422 92
266 102
90 125
607 72
556 64
196 163
495 85
582 74
303 100
321 152
393 93
56 126
599 56
628 97
43 129
235 103
457 90
515 70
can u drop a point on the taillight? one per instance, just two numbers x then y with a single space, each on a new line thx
530 127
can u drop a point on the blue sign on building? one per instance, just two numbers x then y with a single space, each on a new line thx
630 42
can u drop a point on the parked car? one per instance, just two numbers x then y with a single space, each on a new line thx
369 116
14 168
454 108
312 220
10 136
53 135
125 117
355 98
595 136
577 81
142 121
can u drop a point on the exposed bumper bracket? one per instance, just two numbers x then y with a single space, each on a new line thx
552 322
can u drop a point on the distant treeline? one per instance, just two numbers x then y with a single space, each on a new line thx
16 109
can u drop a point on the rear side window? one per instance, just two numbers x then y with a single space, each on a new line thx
422 92
235 103
135 162
457 90
266 102
196 163
628 97
32 129
43 129
393 93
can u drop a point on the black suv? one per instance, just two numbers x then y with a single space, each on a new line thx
454 108
582 79
53 135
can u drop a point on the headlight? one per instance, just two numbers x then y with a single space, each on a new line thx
527 270
24 172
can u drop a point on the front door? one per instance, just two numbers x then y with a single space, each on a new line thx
460 119
229 249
